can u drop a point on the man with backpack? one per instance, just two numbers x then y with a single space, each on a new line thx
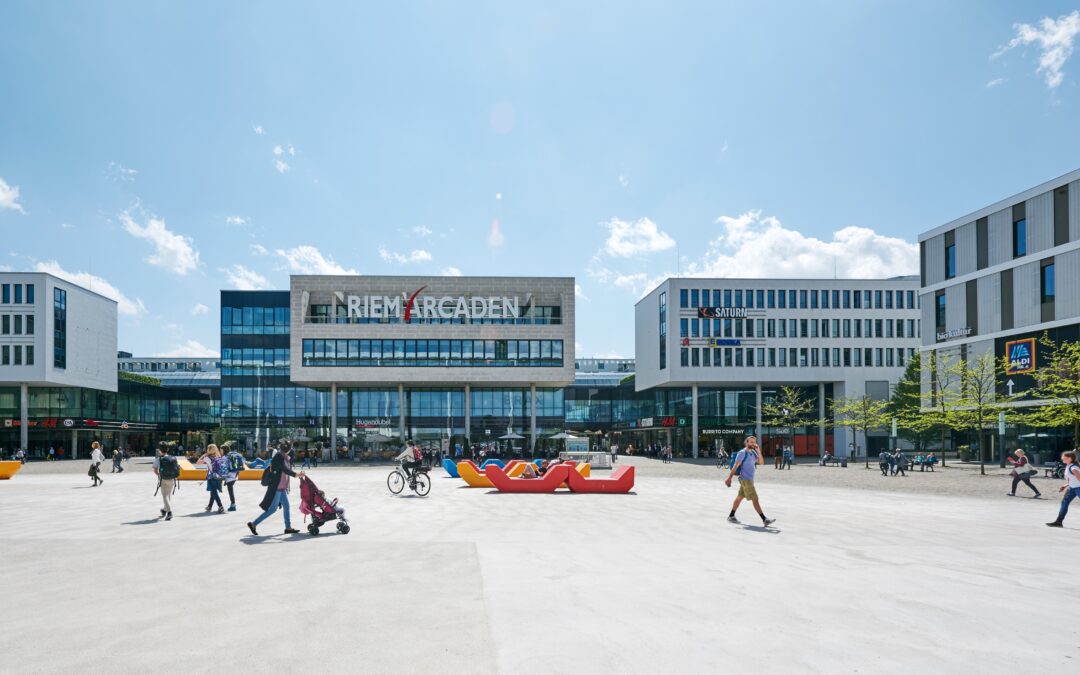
167 469
236 465
746 461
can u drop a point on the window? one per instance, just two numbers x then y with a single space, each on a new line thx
694 301
29 296
29 324
706 359
888 300
5 325
29 355
18 294
5 356
950 261
18 324
782 299
59 328
772 299
684 357
1047 283
663 330
1019 231
694 323
17 361
5 293
940 311
738 298
802 300
847 299
684 301
684 327
695 355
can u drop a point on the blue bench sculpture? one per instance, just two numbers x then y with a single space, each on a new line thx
451 468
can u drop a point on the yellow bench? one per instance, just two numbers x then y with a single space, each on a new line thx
189 471
9 469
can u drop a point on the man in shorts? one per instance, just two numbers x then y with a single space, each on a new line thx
746 461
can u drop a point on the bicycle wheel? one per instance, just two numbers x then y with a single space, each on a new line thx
396 482
423 485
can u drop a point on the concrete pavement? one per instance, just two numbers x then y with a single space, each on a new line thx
473 581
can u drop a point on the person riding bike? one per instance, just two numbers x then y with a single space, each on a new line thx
411 459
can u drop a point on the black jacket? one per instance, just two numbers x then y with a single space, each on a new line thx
276 468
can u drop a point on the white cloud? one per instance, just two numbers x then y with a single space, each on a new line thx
281 166
67 226
995 82
623 180
9 197
292 151
627 239
308 260
190 349
258 249
578 348
422 231
754 246
120 172
278 151
6 268
236 220
579 293
243 279
416 256
495 236
124 304
198 309
259 131
450 272
173 252
1054 38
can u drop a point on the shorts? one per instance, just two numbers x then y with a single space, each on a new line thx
746 489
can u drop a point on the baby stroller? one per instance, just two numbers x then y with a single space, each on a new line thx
313 503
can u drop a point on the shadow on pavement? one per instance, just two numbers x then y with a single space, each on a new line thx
252 540
761 528
148 521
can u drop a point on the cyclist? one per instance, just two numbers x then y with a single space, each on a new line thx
411 459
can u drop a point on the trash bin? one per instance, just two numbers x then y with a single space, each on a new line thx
843 462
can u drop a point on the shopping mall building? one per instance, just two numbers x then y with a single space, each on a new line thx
990 283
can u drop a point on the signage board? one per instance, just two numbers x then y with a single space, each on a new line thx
1020 356
372 422
954 333
722 312
408 305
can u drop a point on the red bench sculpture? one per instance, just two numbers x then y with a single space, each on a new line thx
621 481
552 479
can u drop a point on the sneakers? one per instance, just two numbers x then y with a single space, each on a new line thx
1038 495
768 521
251 526
208 508
232 507
733 519
1010 494
220 510
162 513
289 530
1056 523
168 515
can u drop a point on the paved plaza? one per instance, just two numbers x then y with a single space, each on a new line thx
472 581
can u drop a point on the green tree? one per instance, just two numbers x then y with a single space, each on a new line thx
906 407
790 408
222 435
943 395
978 403
860 413
1058 383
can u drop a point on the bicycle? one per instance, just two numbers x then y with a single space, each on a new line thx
723 460
420 483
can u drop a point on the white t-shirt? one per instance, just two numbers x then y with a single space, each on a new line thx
1072 472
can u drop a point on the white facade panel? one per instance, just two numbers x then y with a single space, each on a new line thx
1067 269
935 259
1027 309
966 252
926 312
1074 211
989 303
999 236
956 307
1040 222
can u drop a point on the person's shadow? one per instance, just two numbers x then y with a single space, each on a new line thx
766 529
148 521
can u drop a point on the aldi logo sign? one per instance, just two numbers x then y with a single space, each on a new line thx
1020 355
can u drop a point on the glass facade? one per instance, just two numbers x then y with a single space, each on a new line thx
433 353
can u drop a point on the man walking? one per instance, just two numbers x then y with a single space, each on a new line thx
900 462
96 458
746 461
167 469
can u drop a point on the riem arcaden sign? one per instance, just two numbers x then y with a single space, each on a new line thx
407 306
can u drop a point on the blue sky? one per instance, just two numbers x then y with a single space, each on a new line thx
174 149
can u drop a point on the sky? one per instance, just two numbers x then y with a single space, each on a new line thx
163 151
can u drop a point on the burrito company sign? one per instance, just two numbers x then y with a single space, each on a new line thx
406 306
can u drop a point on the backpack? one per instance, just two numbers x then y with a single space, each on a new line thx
417 455
236 461
220 468
168 468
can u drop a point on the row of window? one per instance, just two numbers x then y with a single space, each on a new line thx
799 328
813 357
1047 298
79 403
18 297
283 402
17 324
259 361
402 352
254 320
17 355
797 299
59 328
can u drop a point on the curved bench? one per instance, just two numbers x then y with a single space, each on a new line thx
189 471
450 468
620 482
9 469
471 474
489 462
549 482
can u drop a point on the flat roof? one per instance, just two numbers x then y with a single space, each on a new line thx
1002 204
771 280
66 281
